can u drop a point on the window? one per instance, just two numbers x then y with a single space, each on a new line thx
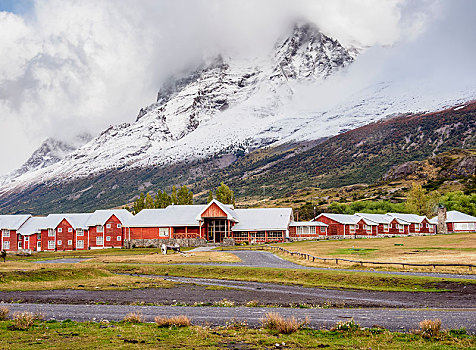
369 229
391 225
323 229
38 235
51 232
70 242
163 232
275 234
20 244
80 244
70 229
401 228
6 233
426 225
417 227
99 241
99 228
51 244
79 232
60 229
118 238
108 226
119 225
108 238
385 227
352 228
60 242
6 245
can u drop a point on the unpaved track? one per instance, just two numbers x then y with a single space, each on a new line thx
393 319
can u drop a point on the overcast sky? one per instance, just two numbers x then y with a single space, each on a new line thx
70 66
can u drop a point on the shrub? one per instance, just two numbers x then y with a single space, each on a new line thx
275 321
430 328
134 317
174 321
346 326
456 332
224 303
4 311
23 320
252 303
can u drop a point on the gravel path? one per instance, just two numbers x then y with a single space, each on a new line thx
393 319
254 258
61 261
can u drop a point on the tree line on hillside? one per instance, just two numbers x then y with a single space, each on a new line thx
182 196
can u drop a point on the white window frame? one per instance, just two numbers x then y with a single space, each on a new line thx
70 242
118 238
385 227
352 228
60 242
60 229
99 228
164 232
108 225
99 241
119 226
323 229
401 228
20 244
6 245
6 233
80 244
51 232
70 229
417 227
108 238
79 232
51 245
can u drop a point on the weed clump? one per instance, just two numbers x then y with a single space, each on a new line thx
174 321
430 328
4 311
346 326
224 303
23 320
134 317
275 321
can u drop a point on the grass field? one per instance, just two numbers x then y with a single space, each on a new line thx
443 249
158 258
307 278
114 335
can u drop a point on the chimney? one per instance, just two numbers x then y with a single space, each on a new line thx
442 228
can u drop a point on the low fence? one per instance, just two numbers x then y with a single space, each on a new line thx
361 262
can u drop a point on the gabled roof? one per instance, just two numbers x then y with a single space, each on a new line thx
99 217
173 215
308 223
33 225
13 222
376 218
407 218
77 220
229 211
456 216
345 219
263 219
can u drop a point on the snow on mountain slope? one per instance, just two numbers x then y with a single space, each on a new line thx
239 104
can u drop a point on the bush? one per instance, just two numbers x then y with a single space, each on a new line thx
4 311
275 321
174 321
430 328
23 320
224 303
456 332
346 326
134 317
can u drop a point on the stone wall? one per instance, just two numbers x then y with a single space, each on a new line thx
157 243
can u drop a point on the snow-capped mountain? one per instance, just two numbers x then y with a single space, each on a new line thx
229 104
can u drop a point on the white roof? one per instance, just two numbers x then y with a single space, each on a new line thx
99 217
455 216
173 215
376 218
13 222
308 223
345 219
77 220
407 218
32 225
228 209
263 219
434 221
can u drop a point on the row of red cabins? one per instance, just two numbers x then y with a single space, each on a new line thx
213 222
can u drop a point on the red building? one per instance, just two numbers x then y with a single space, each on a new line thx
9 226
417 224
457 222
106 228
299 230
347 226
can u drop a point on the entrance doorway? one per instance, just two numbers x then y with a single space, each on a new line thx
216 230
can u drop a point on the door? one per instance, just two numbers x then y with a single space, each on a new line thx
80 244
38 246
27 242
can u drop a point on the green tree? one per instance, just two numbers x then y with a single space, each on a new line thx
139 203
421 203
225 195
210 196
184 196
465 203
162 200
174 195
149 202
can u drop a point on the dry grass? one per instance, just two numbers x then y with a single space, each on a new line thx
156 258
430 328
134 317
4 311
276 322
174 321
421 250
23 320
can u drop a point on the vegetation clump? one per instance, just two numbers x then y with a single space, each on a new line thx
23 320
274 321
174 321
430 328
134 317
4 311
346 326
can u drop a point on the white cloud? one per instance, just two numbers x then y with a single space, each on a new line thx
70 66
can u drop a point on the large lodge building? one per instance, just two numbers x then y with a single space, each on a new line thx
198 224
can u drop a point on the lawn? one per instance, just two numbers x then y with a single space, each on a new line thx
115 335
439 249
158 258
307 278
